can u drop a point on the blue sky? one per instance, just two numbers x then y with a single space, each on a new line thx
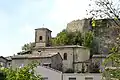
19 18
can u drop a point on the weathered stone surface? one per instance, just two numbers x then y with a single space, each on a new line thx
103 31
78 25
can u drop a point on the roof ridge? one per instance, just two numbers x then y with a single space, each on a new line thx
52 69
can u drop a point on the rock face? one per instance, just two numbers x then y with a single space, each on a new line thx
78 25
104 33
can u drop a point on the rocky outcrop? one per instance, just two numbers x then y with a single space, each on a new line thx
78 25
104 33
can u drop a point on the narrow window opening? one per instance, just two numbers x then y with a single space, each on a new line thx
88 78
72 78
40 38
48 38
65 56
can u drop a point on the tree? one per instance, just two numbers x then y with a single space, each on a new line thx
75 38
105 9
114 59
28 46
60 39
88 39
91 42
23 73
109 9
65 38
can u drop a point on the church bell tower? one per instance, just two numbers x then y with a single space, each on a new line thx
42 37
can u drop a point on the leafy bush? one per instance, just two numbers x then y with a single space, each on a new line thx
23 73
73 38
2 76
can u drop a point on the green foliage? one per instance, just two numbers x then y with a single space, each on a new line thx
88 39
114 58
112 74
93 23
114 71
105 9
77 39
28 46
65 38
61 39
2 76
23 73
73 38
109 9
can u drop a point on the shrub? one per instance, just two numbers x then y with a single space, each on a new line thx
23 73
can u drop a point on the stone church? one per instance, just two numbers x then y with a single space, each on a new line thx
63 58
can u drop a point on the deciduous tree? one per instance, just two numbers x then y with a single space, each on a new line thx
28 46
109 9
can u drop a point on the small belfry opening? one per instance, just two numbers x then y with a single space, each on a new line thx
40 38
65 56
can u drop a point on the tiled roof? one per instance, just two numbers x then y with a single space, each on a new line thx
36 55
100 56
43 29
3 57
65 46
9 58
23 52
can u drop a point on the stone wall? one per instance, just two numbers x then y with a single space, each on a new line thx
81 56
72 51
42 37
51 74
48 73
3 61
66 63
54 61
85 76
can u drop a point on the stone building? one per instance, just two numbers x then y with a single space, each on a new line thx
47 59
55 61
42 37
73 57
3 61
9 61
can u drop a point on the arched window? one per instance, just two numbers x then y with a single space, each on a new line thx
65 56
